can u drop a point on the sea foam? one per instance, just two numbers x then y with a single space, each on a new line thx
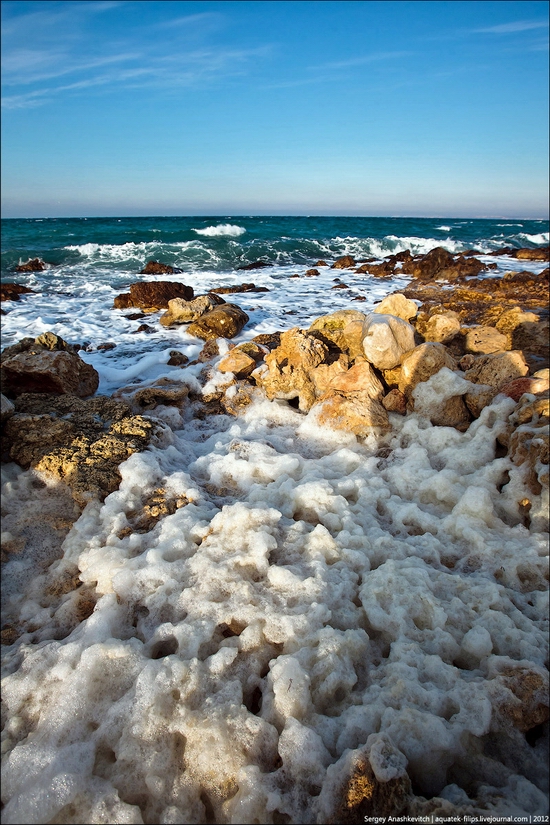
220 230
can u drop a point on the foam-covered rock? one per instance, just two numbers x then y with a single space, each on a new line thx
491 372
421 363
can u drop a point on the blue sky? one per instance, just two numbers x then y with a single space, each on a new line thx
320 108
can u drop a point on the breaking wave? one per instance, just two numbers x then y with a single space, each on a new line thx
222 229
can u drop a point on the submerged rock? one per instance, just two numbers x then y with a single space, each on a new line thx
255 265
227 290
157 268
12 291
344 262
34 265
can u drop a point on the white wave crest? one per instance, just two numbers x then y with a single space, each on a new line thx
391 244
228 229
541 238
444 228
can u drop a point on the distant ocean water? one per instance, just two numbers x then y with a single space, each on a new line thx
121 245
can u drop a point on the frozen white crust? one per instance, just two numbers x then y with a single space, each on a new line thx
310 602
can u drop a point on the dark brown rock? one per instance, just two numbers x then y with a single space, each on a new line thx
311 273
224 321
34 265
11 291
428 266
48 372
540 254
395 401
157 268
344 262
177 358
153 295
255 265
271 340
227 290
123 301
383 270
209 351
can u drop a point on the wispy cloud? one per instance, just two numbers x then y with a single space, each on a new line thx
205 17
60 42
363 60
513 28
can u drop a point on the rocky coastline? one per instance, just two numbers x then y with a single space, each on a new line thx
444 348
478 336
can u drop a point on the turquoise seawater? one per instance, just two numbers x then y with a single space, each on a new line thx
227 242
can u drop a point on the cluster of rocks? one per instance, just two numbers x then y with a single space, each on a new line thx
352 369
50 422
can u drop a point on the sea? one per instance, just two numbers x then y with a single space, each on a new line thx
320 613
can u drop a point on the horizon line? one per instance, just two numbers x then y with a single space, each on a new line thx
275 215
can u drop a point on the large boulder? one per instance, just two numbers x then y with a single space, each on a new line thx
78 442
289 368
396 304
428 266
490 373
352 401
484 340
223 321
153 295
332 326
386 339
441 327
421 363
47 364
181 311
